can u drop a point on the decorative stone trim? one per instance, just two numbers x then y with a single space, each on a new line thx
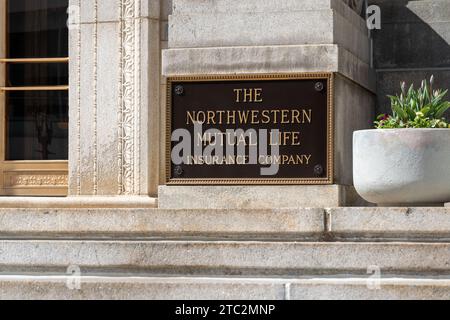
129 104
95 101
28 180
78 99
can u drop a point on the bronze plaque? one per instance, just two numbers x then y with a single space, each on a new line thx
275 129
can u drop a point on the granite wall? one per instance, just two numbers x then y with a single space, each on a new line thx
413 44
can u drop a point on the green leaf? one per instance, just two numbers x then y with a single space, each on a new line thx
440 111
406 106
425 111
400 112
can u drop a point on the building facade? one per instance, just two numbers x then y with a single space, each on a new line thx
88 96
116 147
101 56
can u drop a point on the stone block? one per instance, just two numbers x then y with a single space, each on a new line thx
81 94
141 288
108 11
105 131
413 11
93 160
253 258
368 289
414 34
149 110
92 11
354 110
114 79
247 29
30 287
149 224
229 37
264 6
390 223
249 6
252 197
268 59
131 218
80 202
85 8
412 45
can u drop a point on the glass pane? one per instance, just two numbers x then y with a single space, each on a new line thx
37 125
37 74
37 28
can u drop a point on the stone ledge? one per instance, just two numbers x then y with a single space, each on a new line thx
268 59
217 258
367 289
253 197
152 223
78 202
248 6
395 223
140 288
147 288
296 224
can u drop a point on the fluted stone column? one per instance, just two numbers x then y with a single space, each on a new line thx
114 97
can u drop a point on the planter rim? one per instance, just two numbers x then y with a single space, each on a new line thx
405 129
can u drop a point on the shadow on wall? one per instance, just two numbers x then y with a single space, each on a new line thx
413 44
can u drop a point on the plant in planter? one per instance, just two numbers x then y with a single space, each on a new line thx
405 161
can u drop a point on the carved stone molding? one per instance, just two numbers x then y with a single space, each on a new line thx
129 96
34 180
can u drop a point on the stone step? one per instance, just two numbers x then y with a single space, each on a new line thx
164 224
218 258
302 224
256 196
143 288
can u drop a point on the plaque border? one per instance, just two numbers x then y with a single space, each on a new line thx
328 180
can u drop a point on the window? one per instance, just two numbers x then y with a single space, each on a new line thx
35 97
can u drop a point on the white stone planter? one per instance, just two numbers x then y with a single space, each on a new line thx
402 166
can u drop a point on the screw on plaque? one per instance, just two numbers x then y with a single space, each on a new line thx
178 171
179 90
318 170
319 86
